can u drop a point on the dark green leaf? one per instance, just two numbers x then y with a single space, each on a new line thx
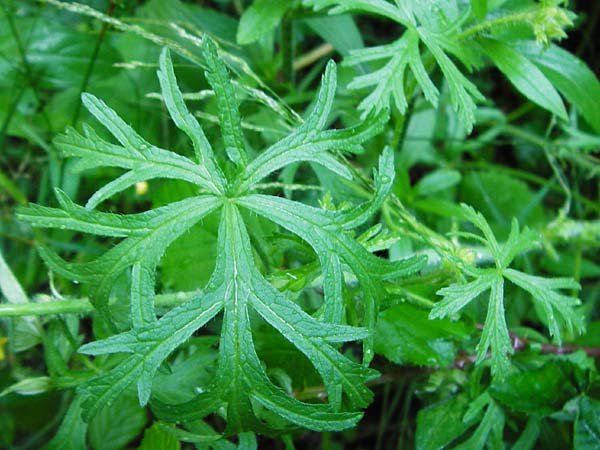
439 424
156 438
114 428
587 425
525 76
405 335
571 76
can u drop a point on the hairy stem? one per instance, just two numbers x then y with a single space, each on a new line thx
510 19
48 305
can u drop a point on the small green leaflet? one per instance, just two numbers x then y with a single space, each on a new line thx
241 386
558 309
489 429
262 17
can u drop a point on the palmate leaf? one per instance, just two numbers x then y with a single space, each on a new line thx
558 309
434 26
241 385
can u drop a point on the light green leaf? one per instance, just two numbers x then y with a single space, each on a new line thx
379 7
457 296
260 18
389 81
340 31
439 424
158 229
529 436
404 335
24 327
149 346
144 163
324 232
186 121
525 76
480 8
558 308
495 332
437 181
488 431
28 386
240 385
435 27
9 285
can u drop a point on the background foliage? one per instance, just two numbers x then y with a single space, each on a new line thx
404 245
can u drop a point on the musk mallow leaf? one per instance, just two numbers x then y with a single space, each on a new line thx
426 24
558 309
237 290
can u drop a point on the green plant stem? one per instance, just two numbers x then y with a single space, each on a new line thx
92 63
78 305
287 49
313 56
411 297
12 189
510 19
16 36
9 116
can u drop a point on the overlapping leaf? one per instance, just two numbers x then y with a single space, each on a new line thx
434 27
236 287
558 309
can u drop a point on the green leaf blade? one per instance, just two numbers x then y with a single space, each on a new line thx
525 76
186 122
229 114
259 19
571 76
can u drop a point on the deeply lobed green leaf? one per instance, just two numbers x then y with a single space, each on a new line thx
241 384
558 309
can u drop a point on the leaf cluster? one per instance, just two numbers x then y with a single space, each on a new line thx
219 271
